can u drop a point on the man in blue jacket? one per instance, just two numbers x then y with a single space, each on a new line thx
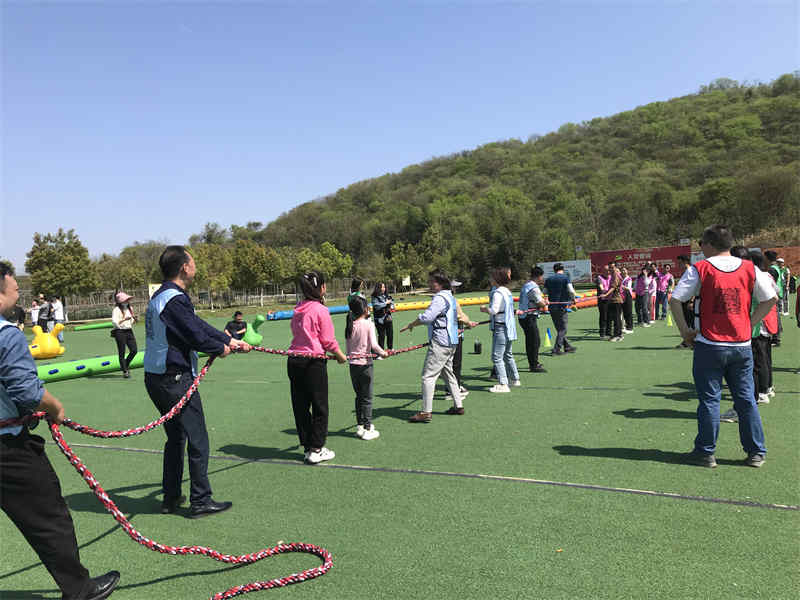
30 493
559 294
174 335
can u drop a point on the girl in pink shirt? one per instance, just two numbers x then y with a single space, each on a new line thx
361 343
313 335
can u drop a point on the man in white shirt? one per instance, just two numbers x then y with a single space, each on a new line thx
724 287
58 314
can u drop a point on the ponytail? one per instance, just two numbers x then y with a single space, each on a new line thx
358 306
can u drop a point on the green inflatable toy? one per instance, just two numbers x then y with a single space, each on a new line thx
251 336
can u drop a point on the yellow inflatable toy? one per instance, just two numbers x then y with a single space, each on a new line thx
46 345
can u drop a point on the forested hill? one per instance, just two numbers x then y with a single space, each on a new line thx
649 176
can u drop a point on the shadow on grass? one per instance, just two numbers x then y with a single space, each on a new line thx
785 369
646 454
646 347
261 452
655 413
36 594
685 391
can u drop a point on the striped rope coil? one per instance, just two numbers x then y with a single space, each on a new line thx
111 507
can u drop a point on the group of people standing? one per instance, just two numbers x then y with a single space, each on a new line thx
618 293
47 312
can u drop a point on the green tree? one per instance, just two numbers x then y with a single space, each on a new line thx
213 233
332 262
59 264
122 272
214 266
250 266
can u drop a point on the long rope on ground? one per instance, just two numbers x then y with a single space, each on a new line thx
94 485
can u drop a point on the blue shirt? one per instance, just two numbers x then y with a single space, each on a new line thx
186 331
556 286
21 390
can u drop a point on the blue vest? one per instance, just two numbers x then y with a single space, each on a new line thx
451 317
508 314
8 409
155 355
524 302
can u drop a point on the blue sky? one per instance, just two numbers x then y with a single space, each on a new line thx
132 121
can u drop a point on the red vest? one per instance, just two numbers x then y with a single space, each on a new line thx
725 302
771 321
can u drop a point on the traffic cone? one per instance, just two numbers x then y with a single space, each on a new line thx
669 319
548 341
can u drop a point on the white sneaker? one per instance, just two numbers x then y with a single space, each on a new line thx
323 454
616 339
763 399
370 434
647 324
360 431
516 383
499 388
771 392
464 391
627 331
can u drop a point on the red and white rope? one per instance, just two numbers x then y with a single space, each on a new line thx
94 485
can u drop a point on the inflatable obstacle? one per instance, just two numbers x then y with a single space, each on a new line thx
88 366
85 367
104 325
581 301
46 345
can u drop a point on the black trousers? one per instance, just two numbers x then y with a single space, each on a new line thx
615 318
560 318
605 324
530 325
385 331
308 378
30 494
361 378
458 359
125 337
186 428
627 312
762 364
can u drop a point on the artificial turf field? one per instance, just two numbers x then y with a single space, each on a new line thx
416 522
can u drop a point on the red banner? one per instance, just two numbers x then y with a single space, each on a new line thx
634 259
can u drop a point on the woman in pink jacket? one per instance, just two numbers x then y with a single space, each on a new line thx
313 337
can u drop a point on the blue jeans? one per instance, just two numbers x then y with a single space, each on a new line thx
661 303
735 365
503 356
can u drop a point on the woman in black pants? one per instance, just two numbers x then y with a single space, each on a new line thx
382 306
123 318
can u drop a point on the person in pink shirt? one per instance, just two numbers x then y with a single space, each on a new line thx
665 285
312 337
652 289
643 283
362 341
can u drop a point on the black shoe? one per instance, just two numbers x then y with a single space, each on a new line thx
171 505
103 586
557 353
539 369
209 508
570 350
699 459
126 374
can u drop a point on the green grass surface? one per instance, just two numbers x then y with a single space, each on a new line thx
612 415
